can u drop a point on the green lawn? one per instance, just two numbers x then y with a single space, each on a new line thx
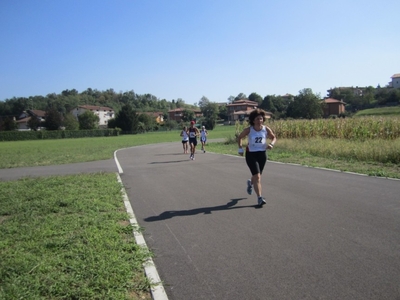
68 238
382 111
64 151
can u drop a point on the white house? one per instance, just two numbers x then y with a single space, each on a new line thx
26 115
395 81
104 113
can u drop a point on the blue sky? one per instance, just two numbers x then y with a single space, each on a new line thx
189 49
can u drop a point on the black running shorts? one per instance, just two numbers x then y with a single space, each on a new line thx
256 161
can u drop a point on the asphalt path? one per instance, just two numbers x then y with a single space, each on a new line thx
321 235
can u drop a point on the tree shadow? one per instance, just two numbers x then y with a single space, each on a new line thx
203 210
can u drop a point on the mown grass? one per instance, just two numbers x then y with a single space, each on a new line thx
381 111
64 151
374 158
68 238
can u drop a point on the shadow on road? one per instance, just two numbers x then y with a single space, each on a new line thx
167 162
203 210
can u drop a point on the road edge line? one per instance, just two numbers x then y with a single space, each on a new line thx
157 291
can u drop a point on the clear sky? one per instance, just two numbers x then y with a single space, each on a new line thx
193 48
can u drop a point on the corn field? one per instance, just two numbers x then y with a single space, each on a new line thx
364 128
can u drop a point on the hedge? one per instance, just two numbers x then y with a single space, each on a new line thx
55 134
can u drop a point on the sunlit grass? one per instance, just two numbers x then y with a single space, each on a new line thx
68 238
381 111
375 157
64 151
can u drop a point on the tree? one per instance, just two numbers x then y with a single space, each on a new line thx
180 103
231 99
148 121
240 96
203 102
171 124
210 113
88 121
141 127
187 115
8 124
223 113
305 105
34 123
70 122
53 119
268 104
111 123
127 119
256 98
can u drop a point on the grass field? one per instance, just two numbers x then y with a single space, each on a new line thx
69 237
64 151
382 111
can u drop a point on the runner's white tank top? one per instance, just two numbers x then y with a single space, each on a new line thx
203 133
185 136
257 140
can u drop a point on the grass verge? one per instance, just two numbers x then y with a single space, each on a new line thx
374 158
68 238
65 151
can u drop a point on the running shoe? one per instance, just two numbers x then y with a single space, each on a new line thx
249 187
261 201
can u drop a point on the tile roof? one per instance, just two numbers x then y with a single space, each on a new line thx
331 100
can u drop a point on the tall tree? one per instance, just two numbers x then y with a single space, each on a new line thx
210 113
127 119
256 98
203 102
53 119
306 105
268 104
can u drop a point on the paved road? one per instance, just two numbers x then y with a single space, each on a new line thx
321 235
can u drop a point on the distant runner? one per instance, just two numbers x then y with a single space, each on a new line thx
193 134
185 139
203 138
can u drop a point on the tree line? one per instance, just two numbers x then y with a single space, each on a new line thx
58 107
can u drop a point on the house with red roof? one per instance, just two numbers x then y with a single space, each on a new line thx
176 114
333 107
240 110
26 115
